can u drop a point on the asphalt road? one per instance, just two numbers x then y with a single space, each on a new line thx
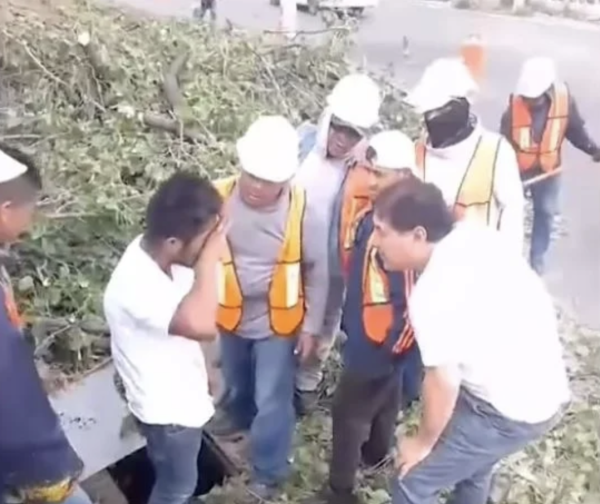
435 30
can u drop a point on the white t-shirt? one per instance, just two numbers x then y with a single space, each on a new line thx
480 308
164 375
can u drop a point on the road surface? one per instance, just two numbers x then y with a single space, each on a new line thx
435 30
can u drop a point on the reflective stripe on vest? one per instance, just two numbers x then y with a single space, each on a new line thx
10 304
476 190
356 201
546 154
378 311
286 293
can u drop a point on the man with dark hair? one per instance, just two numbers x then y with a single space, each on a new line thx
161 301
476 300
37 463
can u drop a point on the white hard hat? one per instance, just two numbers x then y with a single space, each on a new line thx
356 99
269 149
442 81
537 76
394 150
10 168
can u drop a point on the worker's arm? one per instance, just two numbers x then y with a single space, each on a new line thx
315 269
508 192
195 315
577 133
34 451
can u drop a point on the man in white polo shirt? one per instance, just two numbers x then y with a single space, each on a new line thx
495 379
161 301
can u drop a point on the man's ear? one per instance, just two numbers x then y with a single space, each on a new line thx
420 234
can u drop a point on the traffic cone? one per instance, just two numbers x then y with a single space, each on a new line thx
473 54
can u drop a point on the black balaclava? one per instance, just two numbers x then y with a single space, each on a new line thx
449 124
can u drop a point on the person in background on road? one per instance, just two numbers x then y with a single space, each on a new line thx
338 192
160 303
475 302
379 342
273 284
475 169
205 6
541 114
37 463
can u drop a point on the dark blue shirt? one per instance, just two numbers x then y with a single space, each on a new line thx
34 450
361 355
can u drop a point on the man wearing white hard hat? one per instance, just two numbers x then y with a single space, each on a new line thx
541 114
380 347
37 462
273 289
338 192
475 169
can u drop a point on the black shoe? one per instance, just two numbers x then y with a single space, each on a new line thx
221 425
305 402
331 496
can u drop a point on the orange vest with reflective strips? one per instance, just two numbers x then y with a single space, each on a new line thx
286 292
476 191
10 304
378 311
546 154
356 201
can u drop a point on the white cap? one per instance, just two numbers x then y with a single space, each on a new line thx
537 76
10 168
269 149
394 150
442 81
356 99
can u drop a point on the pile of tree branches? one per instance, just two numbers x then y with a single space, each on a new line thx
110 104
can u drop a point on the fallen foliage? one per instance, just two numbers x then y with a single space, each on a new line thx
562 468
110 104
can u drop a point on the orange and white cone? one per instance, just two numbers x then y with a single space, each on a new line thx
473 54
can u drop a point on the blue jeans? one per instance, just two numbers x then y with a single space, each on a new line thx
173 451
259 379
545 197
412 378
476 438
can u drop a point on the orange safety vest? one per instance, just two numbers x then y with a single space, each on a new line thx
476 191
286 293
356 200
546 154
10 304
378 311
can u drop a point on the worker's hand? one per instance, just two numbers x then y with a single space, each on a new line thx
305 346
215 244
596 156
411 451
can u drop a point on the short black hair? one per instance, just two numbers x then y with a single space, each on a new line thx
182 207
410 203
25 186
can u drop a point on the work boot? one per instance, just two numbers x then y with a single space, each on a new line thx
331 496
222 425
305 402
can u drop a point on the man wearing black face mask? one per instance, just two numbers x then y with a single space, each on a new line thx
475 169
540 116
